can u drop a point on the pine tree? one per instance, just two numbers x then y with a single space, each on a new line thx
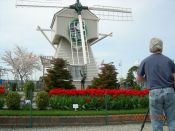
107 79
130 79
58 76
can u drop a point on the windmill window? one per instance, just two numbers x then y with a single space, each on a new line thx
75 71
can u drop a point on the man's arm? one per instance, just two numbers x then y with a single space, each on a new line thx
174 76
141 72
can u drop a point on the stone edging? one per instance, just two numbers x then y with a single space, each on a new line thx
53 121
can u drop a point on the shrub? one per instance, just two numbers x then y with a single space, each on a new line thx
13 100
2 101
28 87
42 100
57 75
107 79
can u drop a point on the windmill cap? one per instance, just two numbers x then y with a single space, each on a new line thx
156 45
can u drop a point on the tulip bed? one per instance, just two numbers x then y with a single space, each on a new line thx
2 90
98 99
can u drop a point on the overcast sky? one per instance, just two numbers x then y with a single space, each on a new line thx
130 41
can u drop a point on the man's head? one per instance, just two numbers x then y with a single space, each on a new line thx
156 45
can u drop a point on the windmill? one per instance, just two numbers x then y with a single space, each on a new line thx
74 29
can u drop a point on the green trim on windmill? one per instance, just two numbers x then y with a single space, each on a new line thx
74 32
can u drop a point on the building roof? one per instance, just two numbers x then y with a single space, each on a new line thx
66 12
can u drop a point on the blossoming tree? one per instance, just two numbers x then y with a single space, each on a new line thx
22 62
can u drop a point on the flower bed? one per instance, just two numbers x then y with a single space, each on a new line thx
98 99
99 92
2 90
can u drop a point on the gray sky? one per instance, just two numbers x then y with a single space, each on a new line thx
130 41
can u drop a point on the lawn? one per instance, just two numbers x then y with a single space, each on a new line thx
69 113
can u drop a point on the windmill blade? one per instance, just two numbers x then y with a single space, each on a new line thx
40 3
103 12
110 9
82 39
112 13
41 6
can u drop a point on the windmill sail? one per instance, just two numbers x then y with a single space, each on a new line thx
103 12
51 2
112 13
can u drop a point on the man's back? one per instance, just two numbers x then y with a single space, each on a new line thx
158 70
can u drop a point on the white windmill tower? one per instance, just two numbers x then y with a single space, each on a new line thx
74 30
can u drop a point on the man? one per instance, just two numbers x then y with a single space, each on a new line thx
158 73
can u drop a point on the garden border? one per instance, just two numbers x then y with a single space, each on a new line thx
56 121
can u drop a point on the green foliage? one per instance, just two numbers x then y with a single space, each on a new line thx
29 89
42 100
2 101
107 79
95 103
125 102
129 102
58 76
66 102
144 101
130 79
26 107
13 100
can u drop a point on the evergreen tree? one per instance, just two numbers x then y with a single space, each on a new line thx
58 76
130 79
107 79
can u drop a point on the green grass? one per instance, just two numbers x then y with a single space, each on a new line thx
69 113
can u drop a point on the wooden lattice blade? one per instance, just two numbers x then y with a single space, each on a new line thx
112 13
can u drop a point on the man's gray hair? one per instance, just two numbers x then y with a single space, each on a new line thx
156 45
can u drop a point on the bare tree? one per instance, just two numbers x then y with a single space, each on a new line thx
22 62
